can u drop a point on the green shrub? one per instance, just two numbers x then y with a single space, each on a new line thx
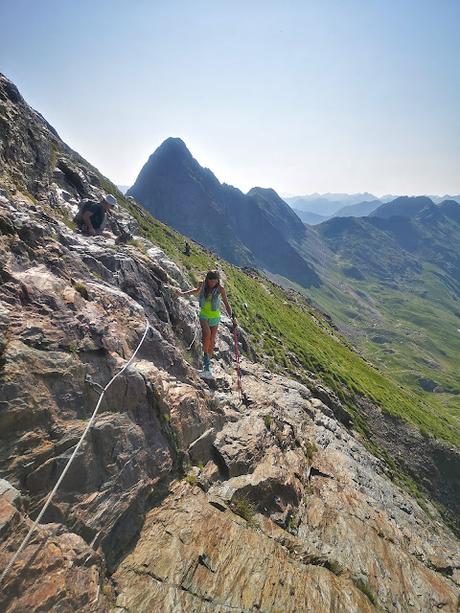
334 567
291 524
243 508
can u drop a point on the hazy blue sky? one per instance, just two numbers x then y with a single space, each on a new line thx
302 96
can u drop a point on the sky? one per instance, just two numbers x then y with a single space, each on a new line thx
302 96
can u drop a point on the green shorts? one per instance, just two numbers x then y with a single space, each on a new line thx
212 321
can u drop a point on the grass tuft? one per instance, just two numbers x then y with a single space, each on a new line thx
191 479
243 508
139 245
74 348
310 449
366 590
81 289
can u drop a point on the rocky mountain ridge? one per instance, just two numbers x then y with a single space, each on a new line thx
257 229
403 206
182 498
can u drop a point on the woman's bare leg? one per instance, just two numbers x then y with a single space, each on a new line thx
212 339
206 335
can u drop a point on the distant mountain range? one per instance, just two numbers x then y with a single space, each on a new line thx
360 209
387 272
326 204
393 285
315 208
394 242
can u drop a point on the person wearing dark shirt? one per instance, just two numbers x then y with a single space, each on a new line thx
92 216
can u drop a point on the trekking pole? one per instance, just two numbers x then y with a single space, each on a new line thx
244 399
237 362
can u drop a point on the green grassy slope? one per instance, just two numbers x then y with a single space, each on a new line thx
400 305
409 332
294 336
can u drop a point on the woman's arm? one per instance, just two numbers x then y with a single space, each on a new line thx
190 292
228 308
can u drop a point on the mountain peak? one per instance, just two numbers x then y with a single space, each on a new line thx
252 229
174 141
170 159
172 145
451 209
8 90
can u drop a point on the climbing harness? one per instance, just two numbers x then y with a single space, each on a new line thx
244 398
71 459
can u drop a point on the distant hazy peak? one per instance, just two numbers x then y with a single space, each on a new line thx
449 203
404 206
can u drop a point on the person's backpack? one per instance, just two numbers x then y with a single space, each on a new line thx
78 219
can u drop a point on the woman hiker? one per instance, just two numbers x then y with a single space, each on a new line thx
210 293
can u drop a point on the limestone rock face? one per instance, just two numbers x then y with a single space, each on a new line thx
180 499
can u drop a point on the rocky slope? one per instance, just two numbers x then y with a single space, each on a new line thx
181 498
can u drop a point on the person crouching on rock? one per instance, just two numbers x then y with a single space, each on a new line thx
210 293
92 216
